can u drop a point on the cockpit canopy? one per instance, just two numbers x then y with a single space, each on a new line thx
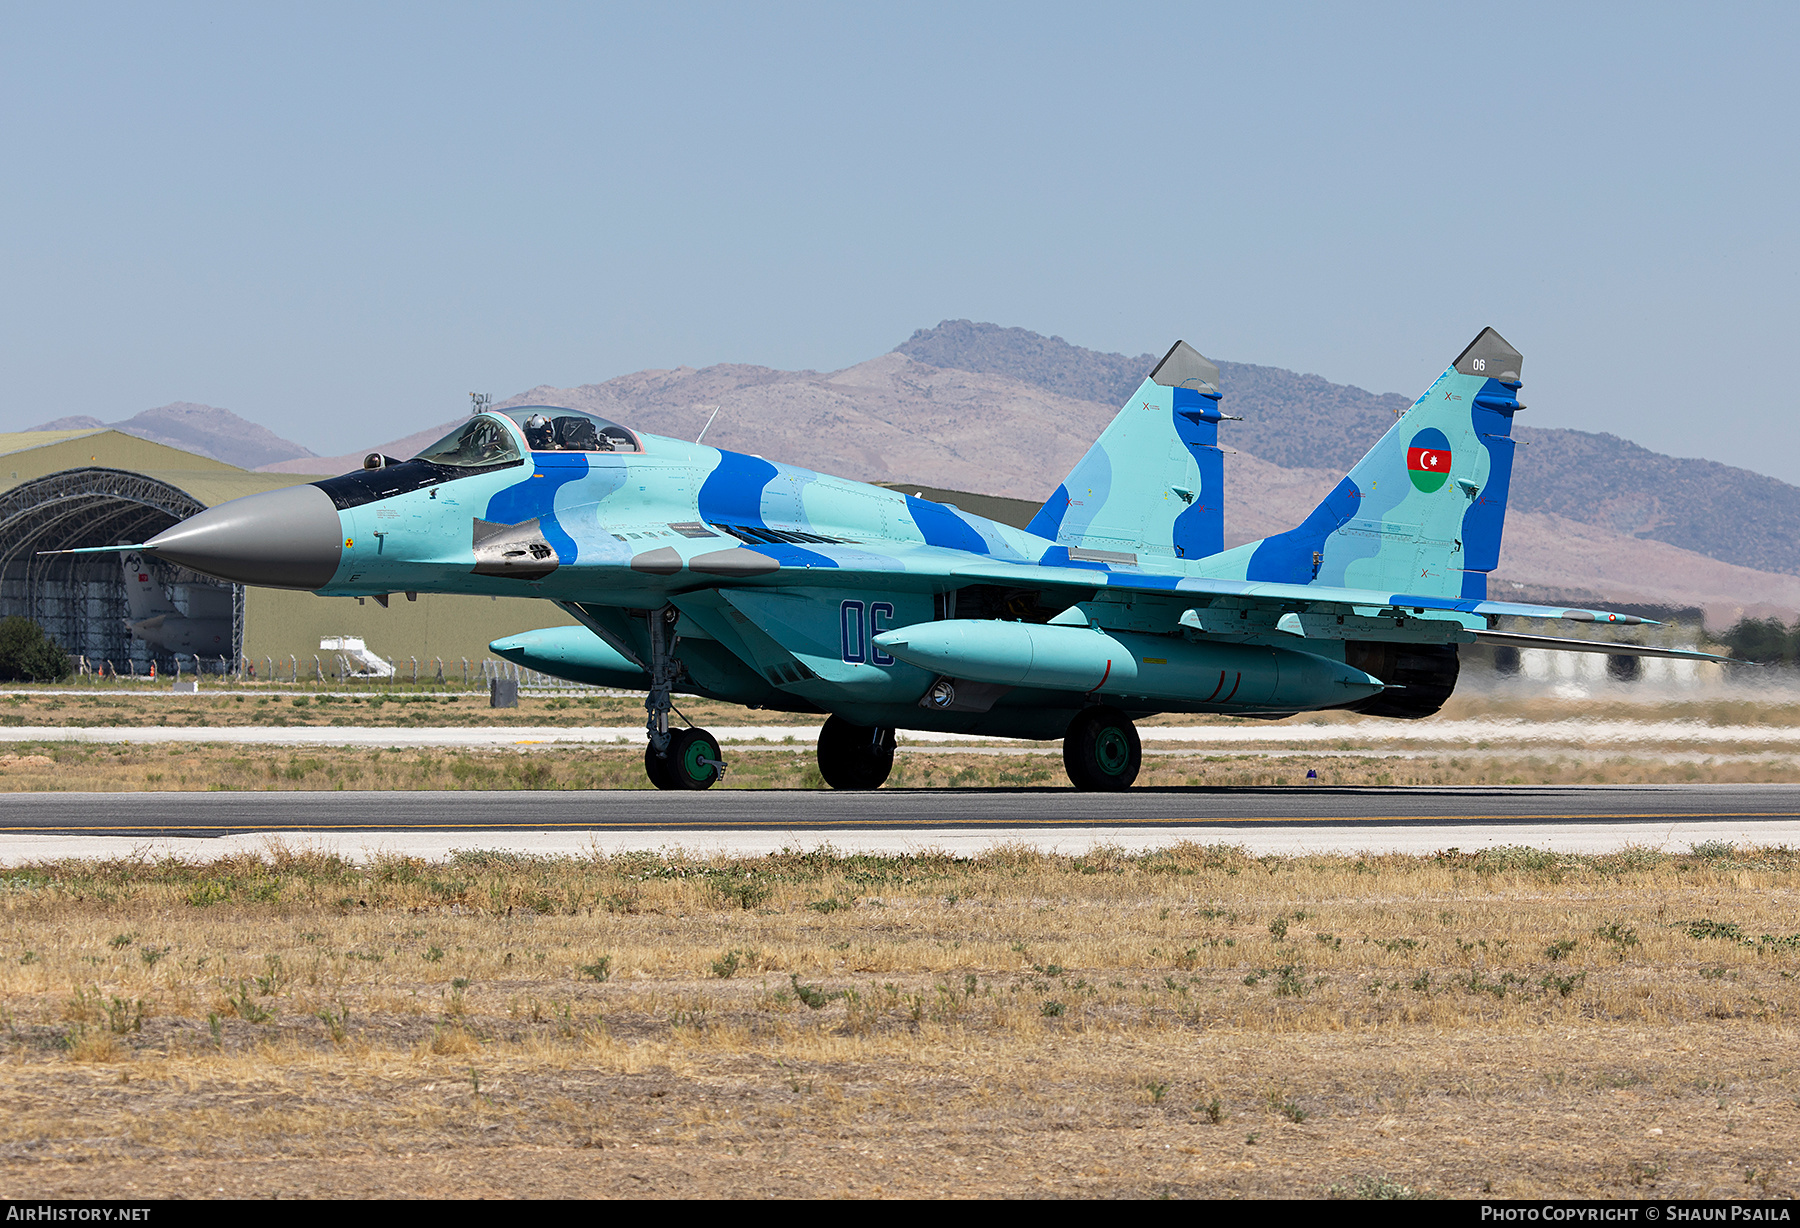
484 442
551 428
480 443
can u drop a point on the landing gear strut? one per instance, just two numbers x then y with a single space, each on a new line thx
1101 750
675 758
855 756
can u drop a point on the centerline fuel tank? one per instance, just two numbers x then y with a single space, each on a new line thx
1204 675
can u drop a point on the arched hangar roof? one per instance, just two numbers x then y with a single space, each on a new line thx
63 490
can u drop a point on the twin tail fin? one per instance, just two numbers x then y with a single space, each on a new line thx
1423 511
1151 488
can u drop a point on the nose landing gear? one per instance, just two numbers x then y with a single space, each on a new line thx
675 758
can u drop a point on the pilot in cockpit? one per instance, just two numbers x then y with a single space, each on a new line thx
570 431
538 433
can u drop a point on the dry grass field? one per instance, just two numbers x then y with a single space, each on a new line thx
366 704
1192 1021
230 704
1537 741
65 767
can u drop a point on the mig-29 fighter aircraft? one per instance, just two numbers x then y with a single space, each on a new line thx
693 570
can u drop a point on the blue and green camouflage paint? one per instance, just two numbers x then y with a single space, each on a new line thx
787 588
1422 512
1153 484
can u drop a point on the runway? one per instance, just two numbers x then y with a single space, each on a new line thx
1419 819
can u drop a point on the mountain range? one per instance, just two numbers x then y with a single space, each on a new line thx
205 429
1006 412
1304 421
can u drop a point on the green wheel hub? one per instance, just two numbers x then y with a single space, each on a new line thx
692 761
693 757
1112 751
1101 750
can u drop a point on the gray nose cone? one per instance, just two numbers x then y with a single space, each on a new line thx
280 539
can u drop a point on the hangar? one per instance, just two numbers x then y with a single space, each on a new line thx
61 490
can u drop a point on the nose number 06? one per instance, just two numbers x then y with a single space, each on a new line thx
855 631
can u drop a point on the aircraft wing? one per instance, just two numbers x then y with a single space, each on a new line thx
1508 639
1285 597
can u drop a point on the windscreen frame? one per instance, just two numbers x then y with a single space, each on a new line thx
362 486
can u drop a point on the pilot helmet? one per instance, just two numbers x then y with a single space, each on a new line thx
538 433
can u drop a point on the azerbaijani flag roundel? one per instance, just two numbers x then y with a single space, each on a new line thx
1428 460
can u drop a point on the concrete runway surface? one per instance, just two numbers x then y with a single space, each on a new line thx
1282 820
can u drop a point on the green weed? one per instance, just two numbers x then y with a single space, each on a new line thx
1374 1188
746 892
1621 936
812 995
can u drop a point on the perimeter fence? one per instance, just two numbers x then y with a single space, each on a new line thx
338 669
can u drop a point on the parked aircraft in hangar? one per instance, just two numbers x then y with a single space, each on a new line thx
203 631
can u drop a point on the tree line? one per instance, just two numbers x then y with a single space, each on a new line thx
27 654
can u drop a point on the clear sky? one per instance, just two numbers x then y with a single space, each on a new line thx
337 220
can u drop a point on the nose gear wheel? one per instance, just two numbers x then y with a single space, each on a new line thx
693 761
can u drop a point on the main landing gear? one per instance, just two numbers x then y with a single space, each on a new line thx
1101 750
855 756
675 758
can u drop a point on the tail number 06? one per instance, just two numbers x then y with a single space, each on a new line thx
855 631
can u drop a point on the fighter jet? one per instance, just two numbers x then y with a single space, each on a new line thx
204 631
697 571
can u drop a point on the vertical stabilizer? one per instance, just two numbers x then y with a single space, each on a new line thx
1423 511
144 596
1152 486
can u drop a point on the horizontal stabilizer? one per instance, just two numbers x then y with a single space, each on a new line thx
1509 640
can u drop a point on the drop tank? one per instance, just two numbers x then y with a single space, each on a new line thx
1204 675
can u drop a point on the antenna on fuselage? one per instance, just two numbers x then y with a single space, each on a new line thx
709 422
479 403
